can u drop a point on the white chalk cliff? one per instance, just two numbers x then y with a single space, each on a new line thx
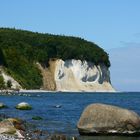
71 75
77 75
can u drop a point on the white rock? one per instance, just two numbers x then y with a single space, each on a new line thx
75 75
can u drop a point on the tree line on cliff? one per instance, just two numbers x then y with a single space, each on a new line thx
20 50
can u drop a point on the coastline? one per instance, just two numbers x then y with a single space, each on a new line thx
49 91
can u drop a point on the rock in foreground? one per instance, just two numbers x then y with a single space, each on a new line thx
9 129
23 106
101 119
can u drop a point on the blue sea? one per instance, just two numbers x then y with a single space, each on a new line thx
64 119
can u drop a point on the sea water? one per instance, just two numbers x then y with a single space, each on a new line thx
61 111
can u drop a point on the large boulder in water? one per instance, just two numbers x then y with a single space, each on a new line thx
101 119
23 106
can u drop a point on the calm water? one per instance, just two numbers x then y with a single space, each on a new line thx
64 119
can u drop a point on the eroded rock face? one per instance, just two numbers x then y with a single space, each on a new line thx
77 75
106 119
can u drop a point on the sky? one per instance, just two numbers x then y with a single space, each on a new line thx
125 67
108 23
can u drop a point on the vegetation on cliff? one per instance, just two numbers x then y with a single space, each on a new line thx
20 50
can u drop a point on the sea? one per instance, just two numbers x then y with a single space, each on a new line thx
61 111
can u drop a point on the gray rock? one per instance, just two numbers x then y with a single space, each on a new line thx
101 119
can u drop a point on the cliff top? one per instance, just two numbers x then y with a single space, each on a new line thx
20 50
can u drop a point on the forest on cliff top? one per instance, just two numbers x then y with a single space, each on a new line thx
20 50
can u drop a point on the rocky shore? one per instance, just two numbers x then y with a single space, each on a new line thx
17 129
96 119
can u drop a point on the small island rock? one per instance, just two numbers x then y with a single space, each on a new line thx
2 105
23 106
101 119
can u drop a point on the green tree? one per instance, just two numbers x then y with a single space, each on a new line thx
2 84
9 84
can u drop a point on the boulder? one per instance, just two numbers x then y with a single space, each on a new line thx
102 119
23 106
6 127
2 105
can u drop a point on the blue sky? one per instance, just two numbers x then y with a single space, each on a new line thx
108 23
125 67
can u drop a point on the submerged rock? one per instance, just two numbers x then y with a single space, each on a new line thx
37 118
101 119
57 106
23 106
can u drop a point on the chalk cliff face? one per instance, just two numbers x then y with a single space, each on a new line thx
71 75
77 75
